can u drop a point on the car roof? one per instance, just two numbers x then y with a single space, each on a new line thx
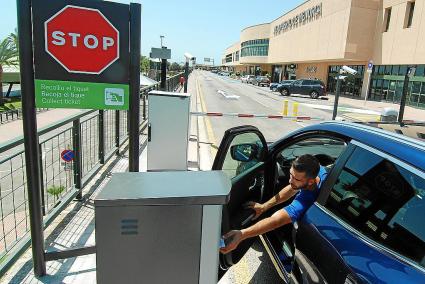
409 150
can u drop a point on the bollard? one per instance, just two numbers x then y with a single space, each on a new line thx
285 108
295 109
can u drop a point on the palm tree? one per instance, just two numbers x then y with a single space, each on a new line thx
8 57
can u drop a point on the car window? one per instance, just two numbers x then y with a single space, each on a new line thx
234 168
298 82
325 149
384 201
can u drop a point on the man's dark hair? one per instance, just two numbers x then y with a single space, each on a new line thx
307 164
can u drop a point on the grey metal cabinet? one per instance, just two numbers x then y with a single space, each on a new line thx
160 227
168 130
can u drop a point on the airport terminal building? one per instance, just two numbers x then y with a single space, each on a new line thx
315 38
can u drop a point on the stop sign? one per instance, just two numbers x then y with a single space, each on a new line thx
82 40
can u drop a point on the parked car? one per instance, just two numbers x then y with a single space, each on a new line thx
261 81
247 78
274 86
367 224
311 87
251 79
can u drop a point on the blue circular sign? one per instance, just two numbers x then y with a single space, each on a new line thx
67 155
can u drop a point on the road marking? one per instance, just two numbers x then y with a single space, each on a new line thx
343 109
210 132
224 94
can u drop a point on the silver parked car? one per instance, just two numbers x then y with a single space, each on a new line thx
246 78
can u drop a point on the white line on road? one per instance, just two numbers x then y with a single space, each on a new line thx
344 109
224 94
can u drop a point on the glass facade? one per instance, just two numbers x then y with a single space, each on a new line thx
351 86
256 47
387 84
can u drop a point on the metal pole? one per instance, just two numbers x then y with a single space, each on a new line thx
29 122
338 89
186 76
367 88
101 132
76 141
117 131
163 73
404 96
134 117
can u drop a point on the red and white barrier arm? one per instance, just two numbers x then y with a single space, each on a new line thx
247 115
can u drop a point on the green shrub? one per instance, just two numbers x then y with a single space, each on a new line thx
55 190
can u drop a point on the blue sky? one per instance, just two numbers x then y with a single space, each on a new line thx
203 28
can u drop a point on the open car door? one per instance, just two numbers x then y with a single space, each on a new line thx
241 156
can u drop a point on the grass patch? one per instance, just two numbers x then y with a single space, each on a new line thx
11 106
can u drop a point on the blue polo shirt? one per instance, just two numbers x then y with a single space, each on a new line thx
304 199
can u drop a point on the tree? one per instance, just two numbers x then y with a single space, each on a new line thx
175 67
144 64
8 57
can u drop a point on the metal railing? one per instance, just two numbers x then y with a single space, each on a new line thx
14 114
93 136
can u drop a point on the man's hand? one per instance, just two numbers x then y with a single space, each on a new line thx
232 240
257 207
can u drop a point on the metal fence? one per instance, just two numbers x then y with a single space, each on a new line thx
14 114
93 136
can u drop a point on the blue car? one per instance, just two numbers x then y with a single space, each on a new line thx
274 86
367 225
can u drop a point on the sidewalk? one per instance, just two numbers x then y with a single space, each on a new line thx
14 129
410 113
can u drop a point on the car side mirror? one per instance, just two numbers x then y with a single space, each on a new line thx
244 152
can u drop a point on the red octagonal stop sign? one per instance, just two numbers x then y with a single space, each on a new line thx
82 40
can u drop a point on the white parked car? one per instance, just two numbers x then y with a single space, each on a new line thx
247 78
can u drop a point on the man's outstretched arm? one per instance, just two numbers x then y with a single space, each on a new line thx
283 195
278 219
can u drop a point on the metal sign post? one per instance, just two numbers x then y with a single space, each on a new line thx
162 53
135 29
29 122
409 74
78 57
369 71
338 90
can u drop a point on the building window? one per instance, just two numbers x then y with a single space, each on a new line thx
410 9
387 19
228 58
258 47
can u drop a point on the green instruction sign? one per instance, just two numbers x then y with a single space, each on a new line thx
81 95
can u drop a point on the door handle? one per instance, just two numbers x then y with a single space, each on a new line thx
247 220
253 184
149 132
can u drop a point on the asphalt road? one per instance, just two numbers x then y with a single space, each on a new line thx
225 95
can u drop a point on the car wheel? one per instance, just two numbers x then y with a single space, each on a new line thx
314 95
284 92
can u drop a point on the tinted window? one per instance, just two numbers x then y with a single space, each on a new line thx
384 201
